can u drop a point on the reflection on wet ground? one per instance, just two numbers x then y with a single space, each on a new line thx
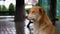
7 26
58 26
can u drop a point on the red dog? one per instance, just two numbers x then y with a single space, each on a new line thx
42 24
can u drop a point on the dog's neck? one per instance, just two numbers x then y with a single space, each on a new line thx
46 19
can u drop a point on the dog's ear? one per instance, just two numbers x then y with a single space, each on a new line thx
42 11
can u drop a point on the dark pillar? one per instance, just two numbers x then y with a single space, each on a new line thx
19 16
40 3
53 10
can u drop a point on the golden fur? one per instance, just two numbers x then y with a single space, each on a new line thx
42 24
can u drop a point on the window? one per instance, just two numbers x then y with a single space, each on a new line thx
58 8
46 5
30 3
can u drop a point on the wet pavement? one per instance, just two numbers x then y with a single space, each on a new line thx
7 26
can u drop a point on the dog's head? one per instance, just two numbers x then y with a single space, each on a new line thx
36 13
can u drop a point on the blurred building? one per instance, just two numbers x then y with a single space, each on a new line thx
30 3
1 2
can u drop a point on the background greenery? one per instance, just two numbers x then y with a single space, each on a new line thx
7 11
46 5
43 3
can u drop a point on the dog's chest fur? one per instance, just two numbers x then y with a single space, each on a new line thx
44 26
39 29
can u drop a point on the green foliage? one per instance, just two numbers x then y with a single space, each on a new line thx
0 7
15 8
11 7
4 8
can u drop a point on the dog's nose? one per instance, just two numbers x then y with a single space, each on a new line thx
29 18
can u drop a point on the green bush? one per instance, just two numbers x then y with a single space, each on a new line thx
4 8
0 7
11 7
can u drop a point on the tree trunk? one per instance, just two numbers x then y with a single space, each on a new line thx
53 10
19 16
